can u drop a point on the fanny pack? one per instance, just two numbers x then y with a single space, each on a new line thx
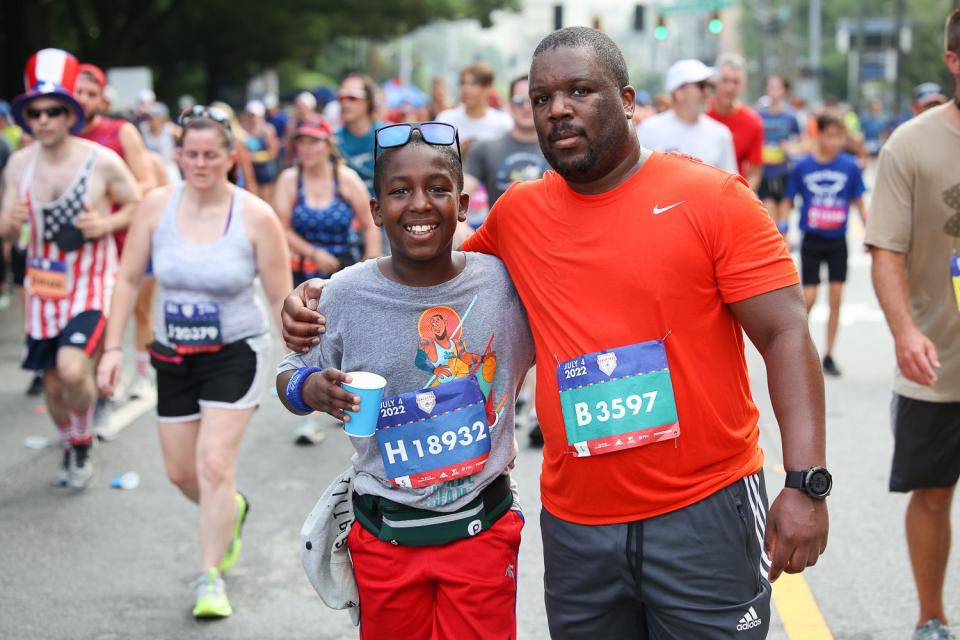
405 526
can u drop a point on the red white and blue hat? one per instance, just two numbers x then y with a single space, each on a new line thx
50 73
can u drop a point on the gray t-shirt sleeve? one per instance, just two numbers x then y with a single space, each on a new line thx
329 352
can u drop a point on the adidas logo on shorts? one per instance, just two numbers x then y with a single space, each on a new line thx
749 620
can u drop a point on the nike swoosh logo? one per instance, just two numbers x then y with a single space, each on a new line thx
657 210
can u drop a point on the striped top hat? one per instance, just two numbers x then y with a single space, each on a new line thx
50 73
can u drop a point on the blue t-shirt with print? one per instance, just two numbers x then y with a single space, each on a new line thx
778 127
357 152
827 191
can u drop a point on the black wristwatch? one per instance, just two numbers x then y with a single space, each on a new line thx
816 482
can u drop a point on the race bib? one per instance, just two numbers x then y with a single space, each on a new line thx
193 327
47 278
434 435
617 399
955 277
774 155
826 218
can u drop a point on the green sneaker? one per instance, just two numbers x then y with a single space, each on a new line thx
236 544
211 596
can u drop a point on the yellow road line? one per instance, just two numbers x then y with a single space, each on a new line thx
798 610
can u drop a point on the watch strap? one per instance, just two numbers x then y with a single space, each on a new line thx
795 480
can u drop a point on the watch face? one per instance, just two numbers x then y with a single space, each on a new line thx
818 483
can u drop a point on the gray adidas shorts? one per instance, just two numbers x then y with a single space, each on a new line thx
698 572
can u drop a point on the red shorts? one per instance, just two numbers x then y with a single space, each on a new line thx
463 590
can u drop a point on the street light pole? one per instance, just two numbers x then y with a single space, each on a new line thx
815 29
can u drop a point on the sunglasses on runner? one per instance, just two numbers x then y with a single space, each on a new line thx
519 101
52 112
397 135
210 113
352 95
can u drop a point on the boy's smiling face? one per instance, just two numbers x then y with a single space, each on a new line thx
420 203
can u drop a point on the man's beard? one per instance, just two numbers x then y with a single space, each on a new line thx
583 168
573 167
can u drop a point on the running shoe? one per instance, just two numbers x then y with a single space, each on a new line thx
830 367
102 413
80 470
933 629
142 387
36 385
236 544
211 596
4 300
63 474
309 432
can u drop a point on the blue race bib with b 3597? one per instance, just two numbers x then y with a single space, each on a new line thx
617 399
434 435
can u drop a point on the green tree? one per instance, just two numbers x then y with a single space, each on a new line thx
205 46
786 39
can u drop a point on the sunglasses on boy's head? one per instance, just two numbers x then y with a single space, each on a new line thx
397 135
52 112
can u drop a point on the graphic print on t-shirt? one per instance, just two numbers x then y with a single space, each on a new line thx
951 197
828 205
519 167
444 352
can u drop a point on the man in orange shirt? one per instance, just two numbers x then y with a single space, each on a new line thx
640 272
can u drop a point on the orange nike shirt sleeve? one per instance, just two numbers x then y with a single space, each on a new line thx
484 239
750 256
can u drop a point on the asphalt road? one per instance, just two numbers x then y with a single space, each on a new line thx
107 563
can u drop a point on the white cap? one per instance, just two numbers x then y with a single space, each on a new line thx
256 108
270 100
688 71
307 99
146 96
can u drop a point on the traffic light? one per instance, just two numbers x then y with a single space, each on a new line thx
715 23
660 32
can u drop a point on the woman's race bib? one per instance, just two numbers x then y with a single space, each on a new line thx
193 327
774 154
434 435
618 399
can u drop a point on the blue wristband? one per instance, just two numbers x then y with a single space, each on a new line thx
295 389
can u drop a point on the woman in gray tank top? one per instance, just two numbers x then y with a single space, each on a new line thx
208 242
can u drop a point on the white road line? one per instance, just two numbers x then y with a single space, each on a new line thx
123 416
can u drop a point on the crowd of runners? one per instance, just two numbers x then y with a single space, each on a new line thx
623 243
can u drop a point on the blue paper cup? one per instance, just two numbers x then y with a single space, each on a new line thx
369 386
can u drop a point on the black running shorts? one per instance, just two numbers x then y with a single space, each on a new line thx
84 332
231 378
814 251
926 449
773 189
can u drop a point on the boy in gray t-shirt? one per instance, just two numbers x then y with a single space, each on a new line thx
435 542
418 337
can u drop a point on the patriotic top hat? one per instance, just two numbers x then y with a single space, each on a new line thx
50 73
